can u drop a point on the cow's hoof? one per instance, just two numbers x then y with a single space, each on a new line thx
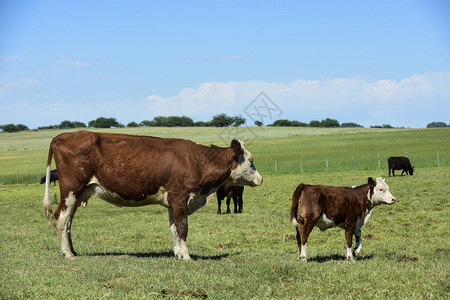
303 258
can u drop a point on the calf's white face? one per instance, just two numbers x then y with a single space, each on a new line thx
245 172
381 193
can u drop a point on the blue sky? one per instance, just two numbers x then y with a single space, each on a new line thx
369 62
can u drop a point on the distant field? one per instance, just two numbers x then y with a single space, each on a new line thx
126 253
295 150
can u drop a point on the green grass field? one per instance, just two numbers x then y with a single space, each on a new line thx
126 253
26 152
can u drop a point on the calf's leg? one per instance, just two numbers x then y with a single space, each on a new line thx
349 229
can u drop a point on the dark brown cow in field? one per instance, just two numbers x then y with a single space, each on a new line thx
344 207
129 170
230 192
400 163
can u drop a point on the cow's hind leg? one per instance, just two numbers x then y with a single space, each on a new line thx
228 204
358 246
235 202
219 204
64 224
304 230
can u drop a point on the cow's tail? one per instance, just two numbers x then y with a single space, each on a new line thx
295 218
47 203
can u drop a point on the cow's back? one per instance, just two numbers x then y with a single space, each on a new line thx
334 202
131 166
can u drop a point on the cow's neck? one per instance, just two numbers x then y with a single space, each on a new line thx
217 166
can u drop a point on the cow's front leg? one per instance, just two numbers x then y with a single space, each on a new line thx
179 227
349 229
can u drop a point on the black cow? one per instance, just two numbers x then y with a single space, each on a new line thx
53 177
230 191
400 163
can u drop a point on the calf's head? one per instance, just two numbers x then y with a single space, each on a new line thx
245 172
379 192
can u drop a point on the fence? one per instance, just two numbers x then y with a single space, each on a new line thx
327 165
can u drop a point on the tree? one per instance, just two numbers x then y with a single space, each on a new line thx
437 125
329 123
314 123
221 120
258 123
13 128
146 123
133 124
350 124
282 122
104 123
69 124
298 124
238 121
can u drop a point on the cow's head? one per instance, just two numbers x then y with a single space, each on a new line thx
379 192
411 171
245 172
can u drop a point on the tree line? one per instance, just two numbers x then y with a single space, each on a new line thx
220 120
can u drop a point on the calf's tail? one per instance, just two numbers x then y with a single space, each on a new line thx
295 218
47 203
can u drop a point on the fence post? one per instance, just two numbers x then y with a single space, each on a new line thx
301 166
17 176
439 165
276 168
38 177
406 154
326 162
379 163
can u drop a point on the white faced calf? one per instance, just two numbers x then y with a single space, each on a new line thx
344 207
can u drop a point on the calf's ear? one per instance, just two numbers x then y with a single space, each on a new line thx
236 147
371 182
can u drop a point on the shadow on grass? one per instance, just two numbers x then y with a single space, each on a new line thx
337 257
157 255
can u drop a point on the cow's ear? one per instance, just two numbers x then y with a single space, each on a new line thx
371 182
237 147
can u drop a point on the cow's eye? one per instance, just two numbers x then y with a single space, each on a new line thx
381 190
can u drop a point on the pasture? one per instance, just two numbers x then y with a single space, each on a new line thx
127 252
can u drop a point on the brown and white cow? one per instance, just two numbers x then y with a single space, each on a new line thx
344 207
130 170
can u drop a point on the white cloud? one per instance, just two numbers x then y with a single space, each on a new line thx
13 58
346 99
7 84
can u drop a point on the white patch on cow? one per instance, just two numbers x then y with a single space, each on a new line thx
349 254
324 223
303 252
94 188
358 248
381 193
245 172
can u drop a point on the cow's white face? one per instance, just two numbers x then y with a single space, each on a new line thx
381 193
245 172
